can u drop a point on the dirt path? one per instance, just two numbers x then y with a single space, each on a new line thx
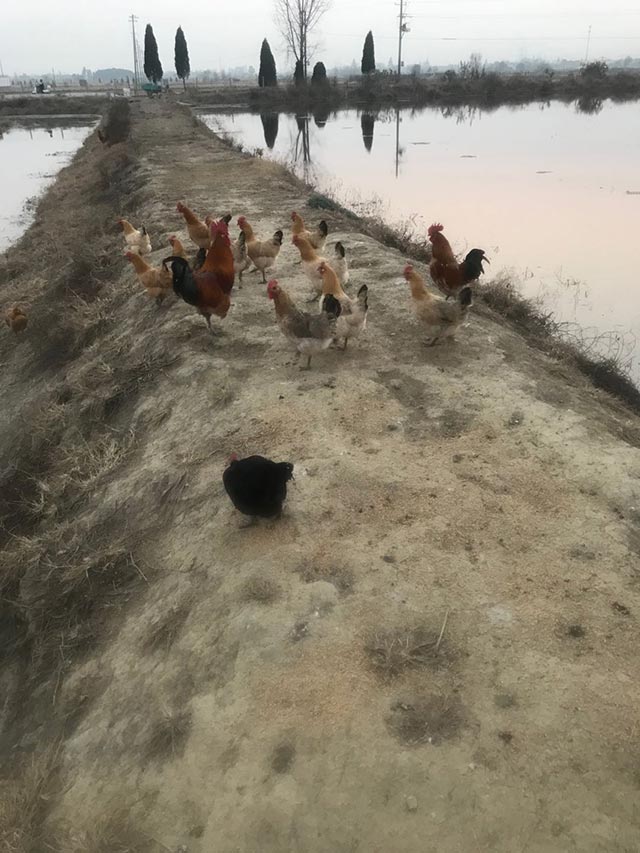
278 688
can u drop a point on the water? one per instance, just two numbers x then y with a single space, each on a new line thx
550 191
31 155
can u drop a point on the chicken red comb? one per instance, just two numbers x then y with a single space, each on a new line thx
408 269
434 229
242 220
233 457
293 214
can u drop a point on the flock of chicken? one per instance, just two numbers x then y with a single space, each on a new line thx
257 486
207 282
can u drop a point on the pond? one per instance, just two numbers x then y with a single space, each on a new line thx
550 191
31 155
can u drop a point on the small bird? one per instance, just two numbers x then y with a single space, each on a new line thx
136 239
16 319
257 486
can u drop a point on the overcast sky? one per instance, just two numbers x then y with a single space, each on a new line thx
38 35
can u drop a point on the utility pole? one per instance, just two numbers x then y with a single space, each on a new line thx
586 56
402 29
136 66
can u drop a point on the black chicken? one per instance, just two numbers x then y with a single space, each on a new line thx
257 486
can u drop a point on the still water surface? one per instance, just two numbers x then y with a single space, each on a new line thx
550 191
30 157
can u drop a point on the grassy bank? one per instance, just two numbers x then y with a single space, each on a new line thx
50 105
450 89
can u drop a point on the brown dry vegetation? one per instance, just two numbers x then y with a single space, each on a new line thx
170 681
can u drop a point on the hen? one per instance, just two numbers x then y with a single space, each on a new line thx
137 240
448 275
177 247
440 318
317 238
197 229
241 260
263 253
353 315
340 264
16 319
155 280
208 288
257 486
311 333
310 261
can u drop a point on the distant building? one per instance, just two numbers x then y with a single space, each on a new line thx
5 82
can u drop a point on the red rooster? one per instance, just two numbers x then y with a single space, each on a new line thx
448 275
208 288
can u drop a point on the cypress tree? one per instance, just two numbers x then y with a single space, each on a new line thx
298 74
270 123
267 74
183 68
319 75
152 66
368 65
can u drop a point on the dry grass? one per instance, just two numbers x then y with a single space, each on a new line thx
164 631
167 735
113 832
540 329
393 652
24 803
428 719
260 589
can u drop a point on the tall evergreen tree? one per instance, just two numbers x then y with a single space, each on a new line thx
319 75
183 68
368 65
267 74
152 66
298 74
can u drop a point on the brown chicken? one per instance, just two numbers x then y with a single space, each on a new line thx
16 319
156 281
311 333
310 260
317 237
440 318
262 253
198 230
448 275
177 248
209 287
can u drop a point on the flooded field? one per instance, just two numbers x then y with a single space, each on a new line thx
31 154
550 191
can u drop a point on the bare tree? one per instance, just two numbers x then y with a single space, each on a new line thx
297 19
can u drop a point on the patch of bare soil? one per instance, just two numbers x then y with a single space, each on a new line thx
173 682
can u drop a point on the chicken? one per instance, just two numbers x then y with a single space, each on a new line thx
198 230
310 260
137 241
311 333
353 316
16 319
263 253
241 260
317 238
340 264
156 280
440 318
448 275
207 288
257 486
177 248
